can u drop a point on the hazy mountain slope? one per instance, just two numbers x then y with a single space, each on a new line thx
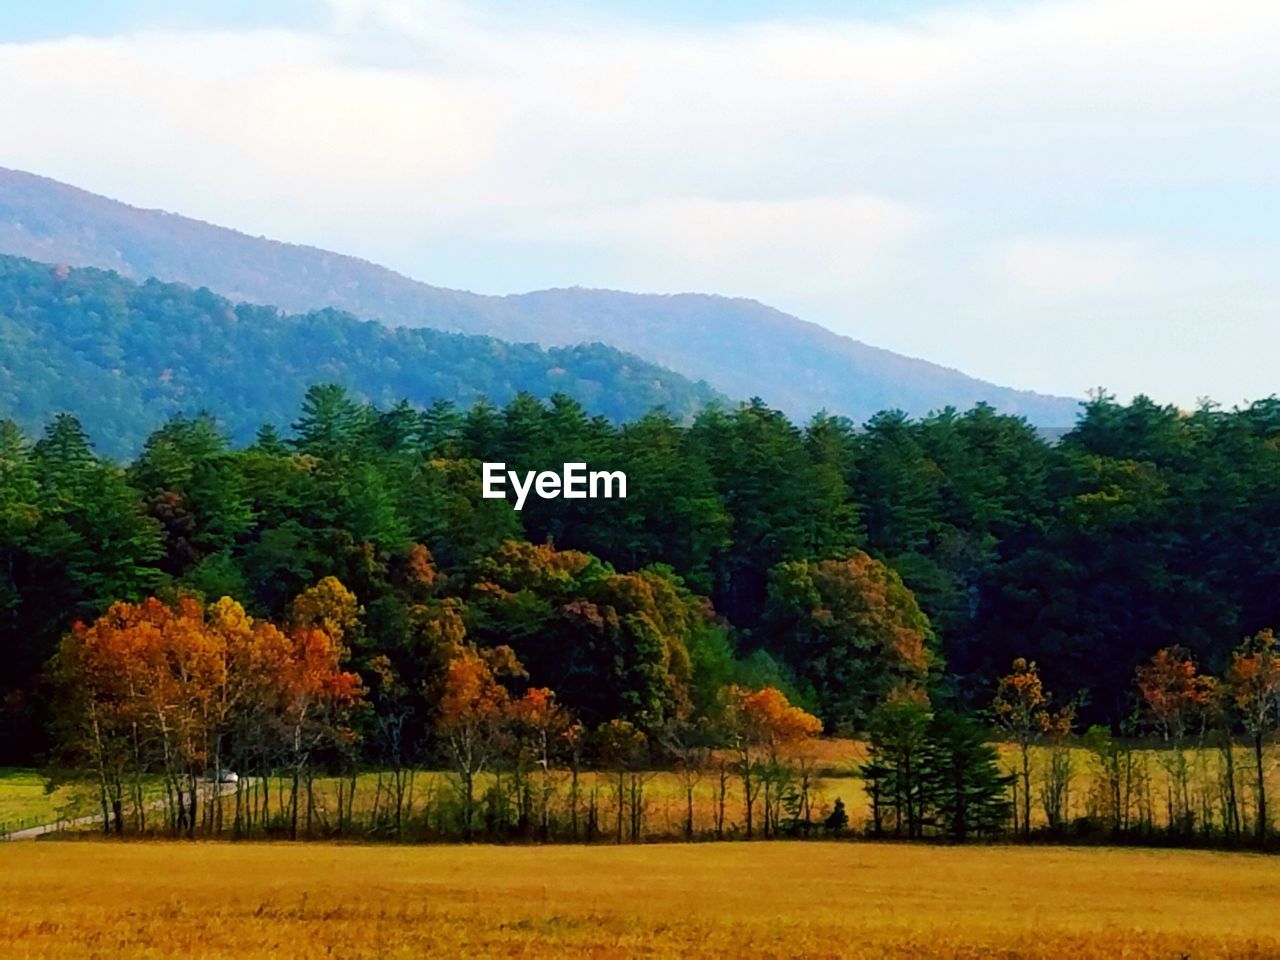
755 350
124 356
740 347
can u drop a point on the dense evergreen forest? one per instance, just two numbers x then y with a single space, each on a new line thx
123 356
834 562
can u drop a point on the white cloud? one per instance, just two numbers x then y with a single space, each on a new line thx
809 246
860 173
1058 266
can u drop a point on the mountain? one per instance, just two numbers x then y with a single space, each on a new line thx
125 356
740 347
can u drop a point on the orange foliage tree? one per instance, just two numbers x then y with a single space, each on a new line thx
763 720
474 711
540 725
1175 695
1020 708
162 688
148 686
1253 681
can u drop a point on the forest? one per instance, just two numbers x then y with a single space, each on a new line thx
123 356
341 598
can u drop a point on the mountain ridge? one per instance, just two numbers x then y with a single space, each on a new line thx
125 356
740 346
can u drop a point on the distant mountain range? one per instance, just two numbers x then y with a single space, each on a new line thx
740 347
123 357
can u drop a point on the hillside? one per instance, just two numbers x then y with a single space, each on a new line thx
740 347
124 357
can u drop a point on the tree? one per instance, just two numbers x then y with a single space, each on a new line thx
689 744
541 725
329 607
473 713
331 423
298 696
852 630
763 719
193 489
1020 709
1055 791
898 485
892 774
1175 696
963 789
614 645
673 513
1253 677
22 649
166 686
96 544
622 749
782 505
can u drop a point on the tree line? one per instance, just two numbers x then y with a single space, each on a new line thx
860 572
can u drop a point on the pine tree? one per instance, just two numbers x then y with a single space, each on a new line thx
964 792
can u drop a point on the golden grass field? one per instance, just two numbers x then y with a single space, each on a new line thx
835 763
77 899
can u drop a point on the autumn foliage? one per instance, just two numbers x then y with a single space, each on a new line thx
181 688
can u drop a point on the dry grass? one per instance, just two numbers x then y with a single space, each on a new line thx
98 899
833 762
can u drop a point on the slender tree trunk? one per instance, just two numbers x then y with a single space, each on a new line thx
468 801
1262 824
311 800
688 812
1231 817
621 802
101 764
351 796
293 804
1026 790
573 798
722 792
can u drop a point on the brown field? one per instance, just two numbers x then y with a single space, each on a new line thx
99 899
834 763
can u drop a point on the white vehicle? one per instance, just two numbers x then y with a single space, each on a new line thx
222 776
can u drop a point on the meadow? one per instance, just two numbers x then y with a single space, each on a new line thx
80 899
832 763
25 800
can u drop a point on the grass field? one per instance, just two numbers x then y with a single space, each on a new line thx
24 801
834 762
99 899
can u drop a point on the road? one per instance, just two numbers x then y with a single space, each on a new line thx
31 833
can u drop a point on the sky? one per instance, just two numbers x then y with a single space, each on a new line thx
1050 194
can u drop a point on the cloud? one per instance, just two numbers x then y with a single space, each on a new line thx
1057 266
808 246
910 181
